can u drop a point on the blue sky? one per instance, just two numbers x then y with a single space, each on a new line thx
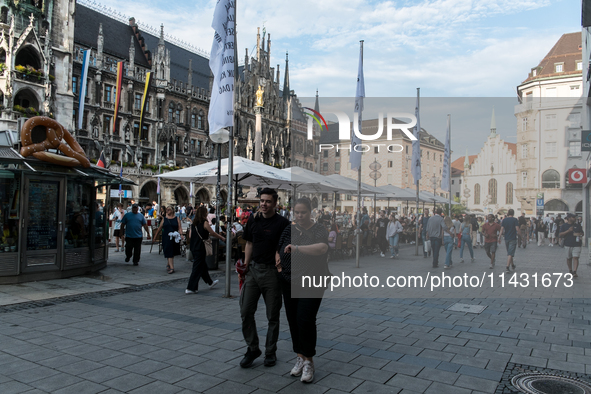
448 48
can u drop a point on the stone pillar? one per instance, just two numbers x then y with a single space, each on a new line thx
258 134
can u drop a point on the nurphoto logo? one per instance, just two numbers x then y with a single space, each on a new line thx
345 130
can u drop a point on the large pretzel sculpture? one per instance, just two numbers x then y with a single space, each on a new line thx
74 155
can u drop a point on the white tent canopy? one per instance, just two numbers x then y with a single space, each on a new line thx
246 172
317 182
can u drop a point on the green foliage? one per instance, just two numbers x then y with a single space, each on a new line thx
458 209
20 109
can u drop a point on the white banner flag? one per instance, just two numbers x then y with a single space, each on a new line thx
355 155
446 161
416 147
221 63
82 82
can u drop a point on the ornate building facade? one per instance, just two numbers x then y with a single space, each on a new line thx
35 60
174 131
490 179
549 127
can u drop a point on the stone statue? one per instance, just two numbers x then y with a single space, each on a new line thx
95 132
207 147
259 94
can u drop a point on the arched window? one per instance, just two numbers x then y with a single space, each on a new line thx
171 113
178 114
193 119
556 205
477 194
509 193
551 179
492 191
579 207
200 120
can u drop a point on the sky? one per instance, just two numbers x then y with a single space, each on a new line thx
448 48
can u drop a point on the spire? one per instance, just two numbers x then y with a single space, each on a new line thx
99 47
466 160
286 79
259 44
493 124
161 40
316 104
131 68
190 76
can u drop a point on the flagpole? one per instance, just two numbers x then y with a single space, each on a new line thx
358 246
449 161
418 135
230 210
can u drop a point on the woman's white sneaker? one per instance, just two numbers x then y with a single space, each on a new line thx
307 372
298 367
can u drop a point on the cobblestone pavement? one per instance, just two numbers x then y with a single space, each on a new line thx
135 331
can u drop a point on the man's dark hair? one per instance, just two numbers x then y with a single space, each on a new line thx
511 212
439 211
270 192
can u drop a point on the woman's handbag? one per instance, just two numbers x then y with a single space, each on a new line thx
207 243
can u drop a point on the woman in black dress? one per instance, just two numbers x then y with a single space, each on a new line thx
302 251
199 232
169 224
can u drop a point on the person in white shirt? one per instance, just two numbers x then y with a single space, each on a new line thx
116 217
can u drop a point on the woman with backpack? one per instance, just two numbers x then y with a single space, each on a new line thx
466 235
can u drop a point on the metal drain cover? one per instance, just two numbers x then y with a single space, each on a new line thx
467 308
542 383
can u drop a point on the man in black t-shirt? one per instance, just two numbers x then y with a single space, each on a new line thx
381 227
262 233
572 233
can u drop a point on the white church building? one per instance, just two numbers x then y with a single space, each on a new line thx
489 182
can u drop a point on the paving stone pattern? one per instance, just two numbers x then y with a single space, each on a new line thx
155 339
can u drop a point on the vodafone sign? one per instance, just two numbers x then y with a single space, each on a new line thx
577 175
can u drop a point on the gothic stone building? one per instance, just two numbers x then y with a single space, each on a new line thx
284 124
175 132
35 60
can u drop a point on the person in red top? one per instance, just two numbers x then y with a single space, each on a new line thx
491 229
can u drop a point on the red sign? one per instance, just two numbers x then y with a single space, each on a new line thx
577 175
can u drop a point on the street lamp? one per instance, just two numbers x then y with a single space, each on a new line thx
434 186
466 195
375 175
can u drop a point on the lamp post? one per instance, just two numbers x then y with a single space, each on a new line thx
375 175
466 196
434 186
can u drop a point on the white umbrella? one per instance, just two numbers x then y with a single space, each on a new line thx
351 185
398 194
246 172
317 182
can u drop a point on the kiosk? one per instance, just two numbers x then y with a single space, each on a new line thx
52 225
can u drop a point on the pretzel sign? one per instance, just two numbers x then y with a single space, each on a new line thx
54 132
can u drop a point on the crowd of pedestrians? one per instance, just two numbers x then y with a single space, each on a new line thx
284 244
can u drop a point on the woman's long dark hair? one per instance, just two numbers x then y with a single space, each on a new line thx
200 215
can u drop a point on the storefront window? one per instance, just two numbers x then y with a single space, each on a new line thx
78 215
9 211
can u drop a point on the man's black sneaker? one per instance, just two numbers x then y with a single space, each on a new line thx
575 274
127 259
270 360
249 357
136 263
513 266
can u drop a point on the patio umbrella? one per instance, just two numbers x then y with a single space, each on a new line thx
246 172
